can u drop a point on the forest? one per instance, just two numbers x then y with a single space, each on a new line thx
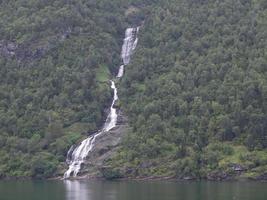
195 91
56 58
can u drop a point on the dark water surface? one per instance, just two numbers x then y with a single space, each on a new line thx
130 190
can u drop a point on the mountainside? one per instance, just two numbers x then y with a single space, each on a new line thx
195 92
56 58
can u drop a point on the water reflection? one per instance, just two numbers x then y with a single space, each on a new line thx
106 190
131 190
76 190
84 190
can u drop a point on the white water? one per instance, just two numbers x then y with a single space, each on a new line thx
121 71
79 154
129 44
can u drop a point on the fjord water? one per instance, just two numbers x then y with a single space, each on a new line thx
130 190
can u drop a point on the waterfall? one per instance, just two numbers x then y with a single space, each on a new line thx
77 156
121 71
128 47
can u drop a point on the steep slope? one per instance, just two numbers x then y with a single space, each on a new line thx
196 92
77 156
56 58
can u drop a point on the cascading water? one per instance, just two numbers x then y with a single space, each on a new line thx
78 155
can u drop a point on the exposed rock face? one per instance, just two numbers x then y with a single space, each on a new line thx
90 155
238 168
218 176
105 147
8 49
23 51
32 49
262 177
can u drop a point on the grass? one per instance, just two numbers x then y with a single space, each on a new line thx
140 87
255 162
77 128
238 152
102 73
131 10
255 172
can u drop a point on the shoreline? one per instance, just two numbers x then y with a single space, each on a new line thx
141 179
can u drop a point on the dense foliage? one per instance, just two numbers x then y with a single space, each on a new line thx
195 92
55 61
198 78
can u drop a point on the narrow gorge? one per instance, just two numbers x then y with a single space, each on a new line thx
77 155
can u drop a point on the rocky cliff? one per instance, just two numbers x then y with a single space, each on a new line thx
105 148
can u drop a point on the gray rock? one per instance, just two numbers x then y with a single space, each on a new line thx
189 178
11 46
106 146
218 176
238 167
7 48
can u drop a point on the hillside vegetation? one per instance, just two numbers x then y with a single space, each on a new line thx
56 58
196 91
